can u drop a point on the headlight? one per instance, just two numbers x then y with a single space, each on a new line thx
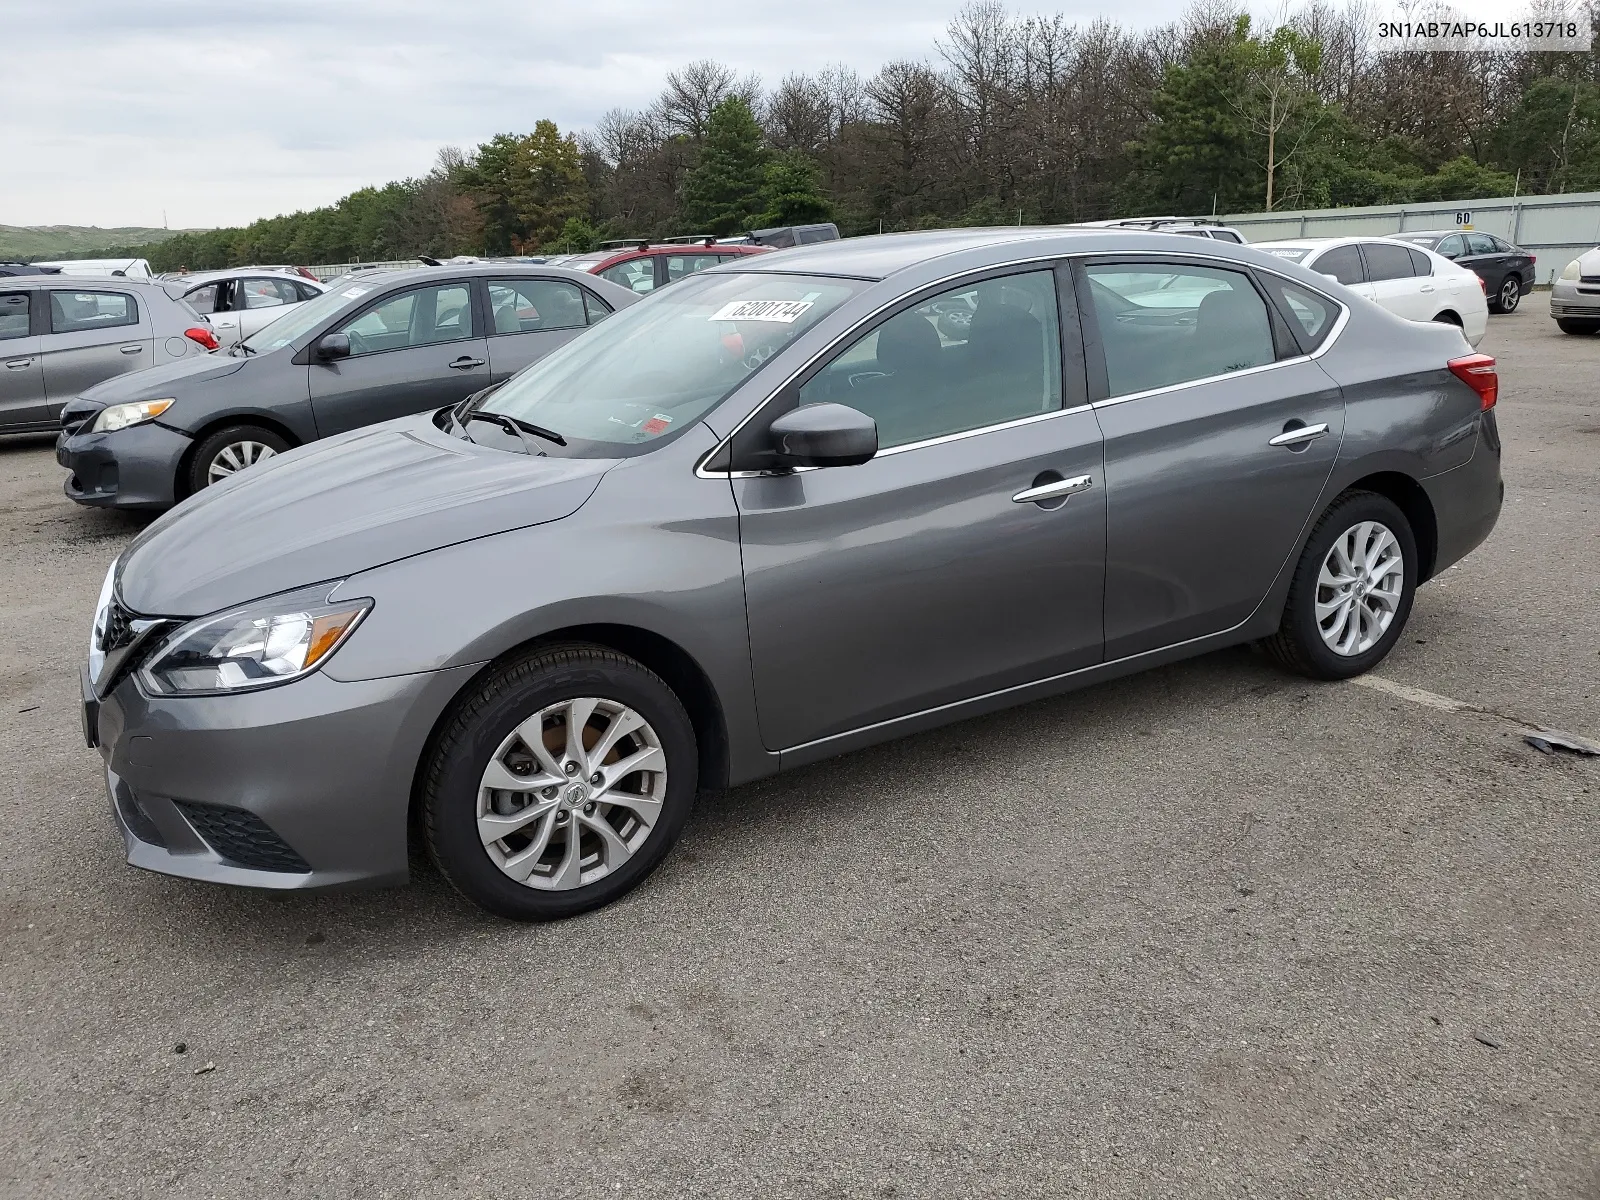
97 627
120 416
1570 271
254 646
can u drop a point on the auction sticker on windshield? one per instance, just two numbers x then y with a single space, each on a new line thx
785 312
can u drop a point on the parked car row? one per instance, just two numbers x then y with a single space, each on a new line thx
789 506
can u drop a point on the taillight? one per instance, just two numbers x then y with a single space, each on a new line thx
204 336
1478 372
1483 285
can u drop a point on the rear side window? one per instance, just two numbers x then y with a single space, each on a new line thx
1421 264
679 265
530 305
307 292
1311 315
1161 325
980 355
598 309
637 275
13 315
1342 262
1478 243
76 312
1225 235
1387 262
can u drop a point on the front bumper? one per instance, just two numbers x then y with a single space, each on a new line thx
303 786
135 467
1572 298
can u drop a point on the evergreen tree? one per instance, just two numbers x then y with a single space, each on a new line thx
792 194
725 191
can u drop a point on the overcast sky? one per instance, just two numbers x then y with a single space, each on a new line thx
217 114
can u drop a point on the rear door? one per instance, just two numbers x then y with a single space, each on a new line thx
1194 375
92 334
22 400
528 318
1394 281
410 351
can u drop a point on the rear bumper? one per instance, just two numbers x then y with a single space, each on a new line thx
131 468
1467 500
300 787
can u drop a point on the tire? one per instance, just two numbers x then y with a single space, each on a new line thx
1577 325
226 451
1300 644
1508 296
482 740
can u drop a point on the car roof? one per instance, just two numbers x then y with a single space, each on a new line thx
881 255
83 282
202 277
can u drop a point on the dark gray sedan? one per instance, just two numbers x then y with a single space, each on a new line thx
397 343
776 512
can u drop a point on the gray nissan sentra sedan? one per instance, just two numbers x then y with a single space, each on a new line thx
776 512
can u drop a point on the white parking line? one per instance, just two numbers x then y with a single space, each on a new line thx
1416 695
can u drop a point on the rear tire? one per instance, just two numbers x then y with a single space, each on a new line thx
1369 614
531 872
1577 325
1448 318
230 450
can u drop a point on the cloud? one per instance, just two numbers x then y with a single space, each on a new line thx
219 114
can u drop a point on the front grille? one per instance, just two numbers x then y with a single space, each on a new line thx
75 422
137 820
242 838
117 631
1589 278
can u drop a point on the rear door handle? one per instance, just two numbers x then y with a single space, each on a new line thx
17 364
1427 287
1299 436
466 364
1053 491
132 349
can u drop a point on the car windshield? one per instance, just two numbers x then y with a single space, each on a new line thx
302 318
657 367
1291 253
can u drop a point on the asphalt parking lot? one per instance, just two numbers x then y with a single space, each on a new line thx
1209 931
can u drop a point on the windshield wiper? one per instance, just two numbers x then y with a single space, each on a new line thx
517 426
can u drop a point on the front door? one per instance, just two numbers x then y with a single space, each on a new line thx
93 334
927 576
1220 435
21 373
528 318
409 352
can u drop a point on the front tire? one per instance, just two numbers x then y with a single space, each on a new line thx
1509 295
1577 325
1352 590
559 783
229 451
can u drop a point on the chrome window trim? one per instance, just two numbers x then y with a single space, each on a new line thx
1222 263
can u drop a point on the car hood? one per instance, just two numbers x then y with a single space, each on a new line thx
154 383
338 506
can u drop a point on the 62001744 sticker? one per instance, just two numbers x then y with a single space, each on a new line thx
785 312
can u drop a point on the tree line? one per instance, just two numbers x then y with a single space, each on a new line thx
1010 119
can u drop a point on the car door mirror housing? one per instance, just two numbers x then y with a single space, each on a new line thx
333 345
824 435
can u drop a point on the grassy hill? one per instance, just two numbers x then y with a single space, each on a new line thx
67 241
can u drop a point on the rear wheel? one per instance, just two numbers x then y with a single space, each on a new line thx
1577 325
1352 590
1509 295
560 783
1448 318
229 451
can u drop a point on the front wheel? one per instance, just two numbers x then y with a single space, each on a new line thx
1509 295
559 783
231 450
1352 590
1571 325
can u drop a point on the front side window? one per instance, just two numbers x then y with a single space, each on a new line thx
13 315
637 274
76 312
1478 243
1387 262
651 370
203 300
420 317
1342 262
1453 246
1161 325
269 293
530 305
679 265
303 318
978 355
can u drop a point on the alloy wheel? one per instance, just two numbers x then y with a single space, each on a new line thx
1359 588
1510 293
235 457
572 793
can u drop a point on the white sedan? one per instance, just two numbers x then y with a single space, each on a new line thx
1408 280
243 300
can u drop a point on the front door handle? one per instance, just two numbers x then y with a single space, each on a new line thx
1299 435
1058 490
466 364
17 364
132 349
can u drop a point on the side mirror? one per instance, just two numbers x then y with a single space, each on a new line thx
334 345
1325 275
824 435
